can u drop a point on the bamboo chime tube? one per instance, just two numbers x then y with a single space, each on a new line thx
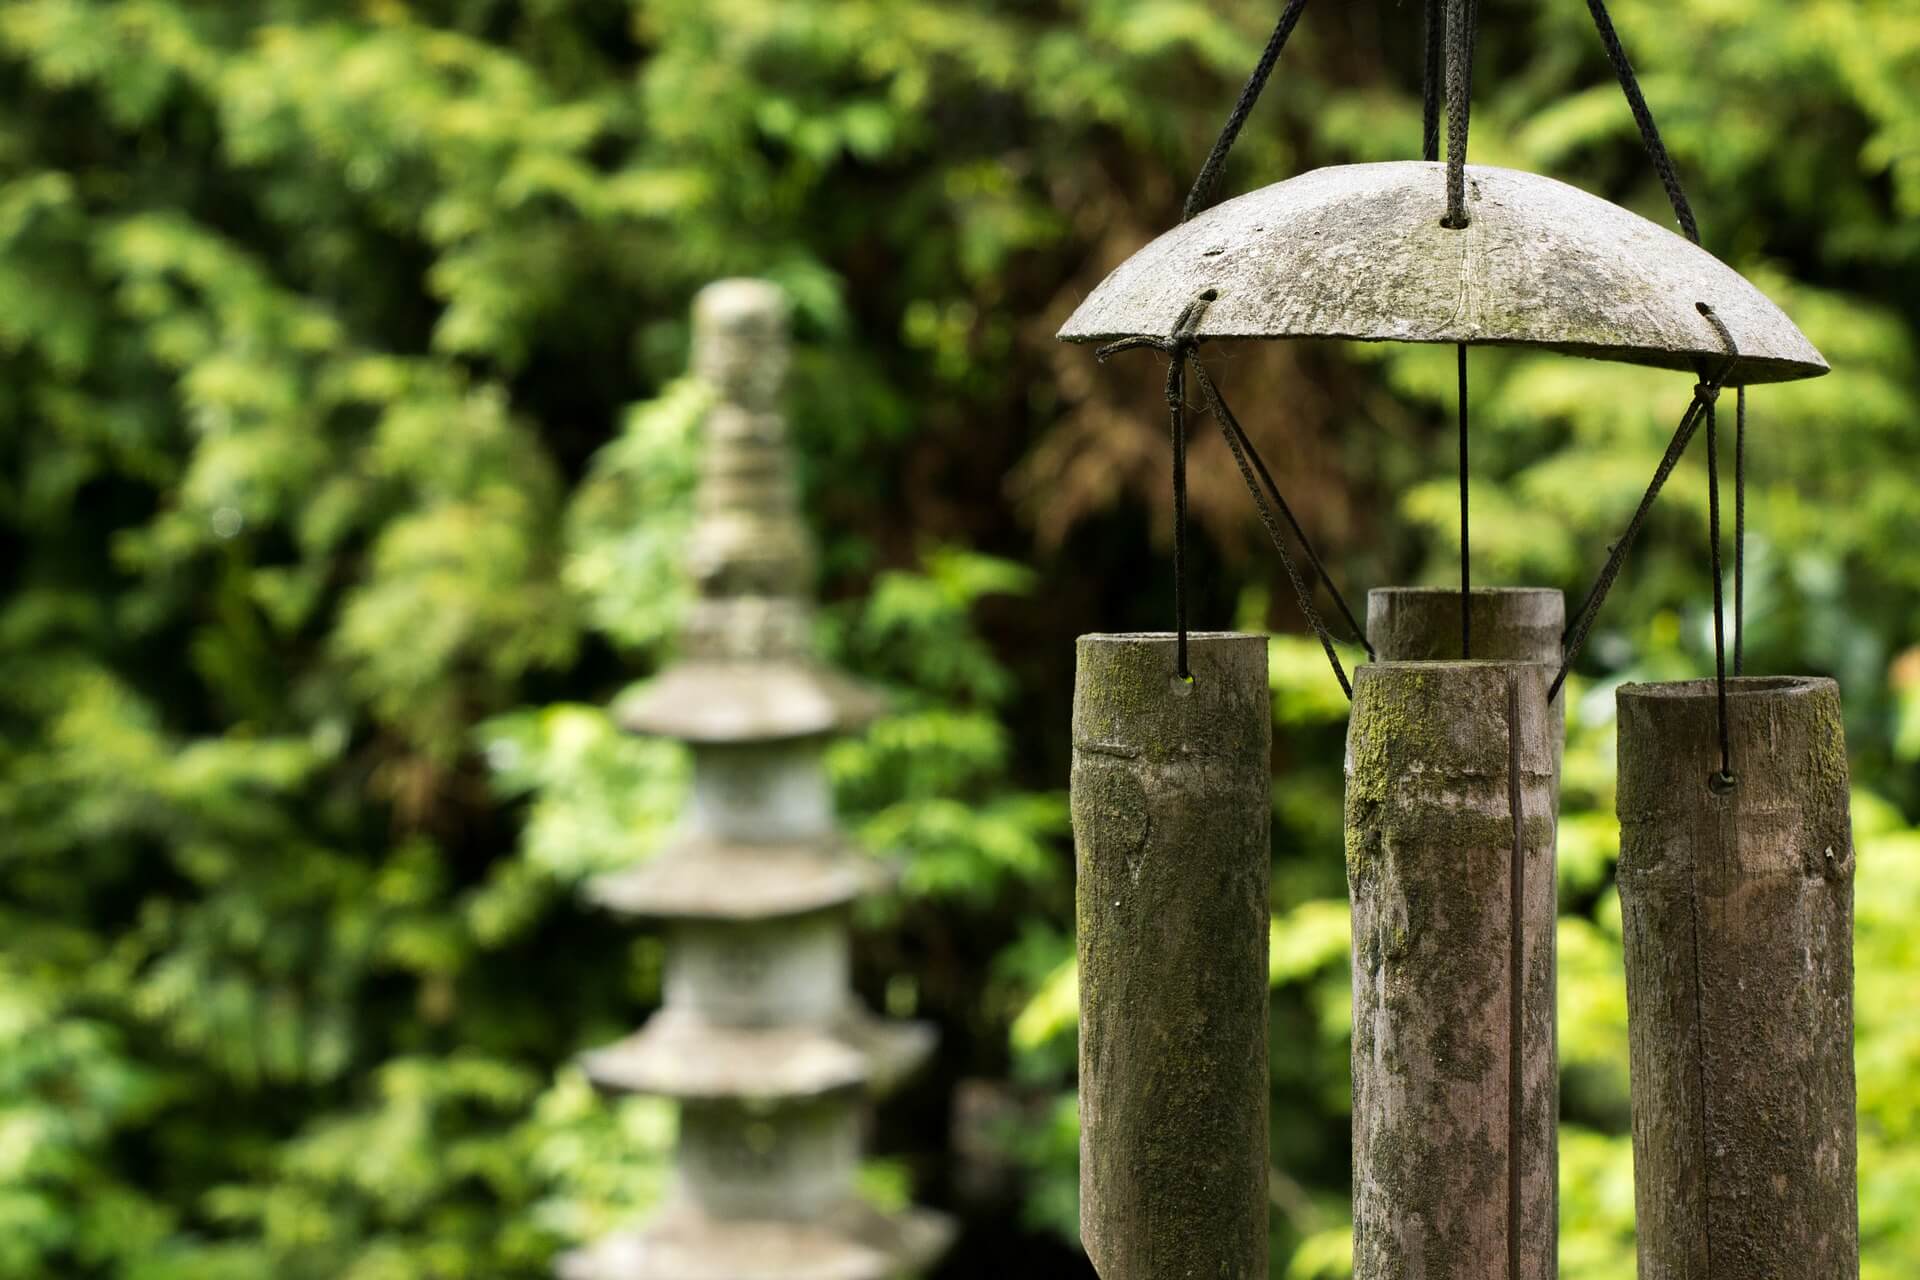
1450 830
1422 624
1738 910
1171 801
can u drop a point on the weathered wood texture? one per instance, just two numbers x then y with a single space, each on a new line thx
1357 251
1171 800
1422 624
1450 834
1738 907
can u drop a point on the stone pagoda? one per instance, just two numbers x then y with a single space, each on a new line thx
760 1038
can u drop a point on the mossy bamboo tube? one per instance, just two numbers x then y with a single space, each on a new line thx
1450 830
1171 798
1738 910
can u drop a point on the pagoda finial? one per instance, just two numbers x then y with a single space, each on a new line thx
751 557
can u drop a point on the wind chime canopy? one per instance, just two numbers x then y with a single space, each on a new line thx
1432 252
1359 252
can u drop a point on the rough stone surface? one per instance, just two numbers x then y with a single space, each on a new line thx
787 1163
1357 251
1450 833
852 1243
1422 624
1738 908
789 971
1170 800
742 701
677 1055
699 878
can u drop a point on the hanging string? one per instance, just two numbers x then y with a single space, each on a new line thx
1177 425
1430 81
1683 213
1643 117
1719 633
1704 394
1201 195
1739 529
1354 629
1177 348
1466 551
1473 42
1460 34
1462 18
1713 520
1230 428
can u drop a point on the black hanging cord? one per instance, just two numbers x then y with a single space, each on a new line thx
1704 394
1713 521
1358 632
1177 426
1643 117
1179 349
1466 554
1739 529
1230 428
1203 186
1719 622
1460 37
1461 22
1683 213
1436 45
1473 43
1576 637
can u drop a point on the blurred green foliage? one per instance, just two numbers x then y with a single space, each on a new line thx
344 461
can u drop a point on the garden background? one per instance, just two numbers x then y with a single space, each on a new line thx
345 450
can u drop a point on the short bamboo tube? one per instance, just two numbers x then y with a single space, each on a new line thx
1738 909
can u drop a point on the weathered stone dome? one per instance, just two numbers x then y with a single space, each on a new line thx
1358 252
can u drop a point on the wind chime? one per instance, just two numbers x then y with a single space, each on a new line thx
1736 861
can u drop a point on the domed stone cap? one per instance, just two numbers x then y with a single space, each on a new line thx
706 702
699 878
856 1242
678 1056
1358 252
